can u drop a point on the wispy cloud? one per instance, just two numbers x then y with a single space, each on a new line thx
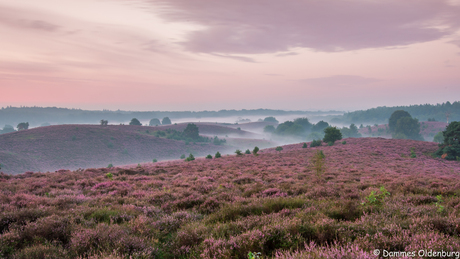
267 26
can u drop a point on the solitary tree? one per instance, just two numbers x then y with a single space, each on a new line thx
23 126
191 131
395 116
104 122
154 122
331 134
135 121
166 121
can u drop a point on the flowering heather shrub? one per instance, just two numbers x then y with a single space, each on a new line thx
227 207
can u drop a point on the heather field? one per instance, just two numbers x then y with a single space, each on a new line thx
366 194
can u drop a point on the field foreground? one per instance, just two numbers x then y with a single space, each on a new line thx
275 203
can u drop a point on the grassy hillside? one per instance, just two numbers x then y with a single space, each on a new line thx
81 146
369 194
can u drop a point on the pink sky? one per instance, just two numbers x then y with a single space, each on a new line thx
238 54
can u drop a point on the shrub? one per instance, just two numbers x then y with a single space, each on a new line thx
377 198
208 157
104 122
344 142
238 152
218 155
154 160
330 143
247 152
318 163
135 121
190 158
279 149
255 150
412 153
331 134
304 145
316 143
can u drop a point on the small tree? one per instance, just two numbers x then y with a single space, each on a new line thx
208 157
154 122
190 158
218 155
191 131
331 134
238 152
255 150
166 121
154 160
135 121
104 122
304 145
247 152
279 149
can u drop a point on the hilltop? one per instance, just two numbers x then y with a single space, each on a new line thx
80 146
369 195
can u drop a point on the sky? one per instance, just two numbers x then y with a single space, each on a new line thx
174 55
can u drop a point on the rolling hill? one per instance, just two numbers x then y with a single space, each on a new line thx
80 146
368 195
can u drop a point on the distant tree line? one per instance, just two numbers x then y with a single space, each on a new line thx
38 115
424 112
